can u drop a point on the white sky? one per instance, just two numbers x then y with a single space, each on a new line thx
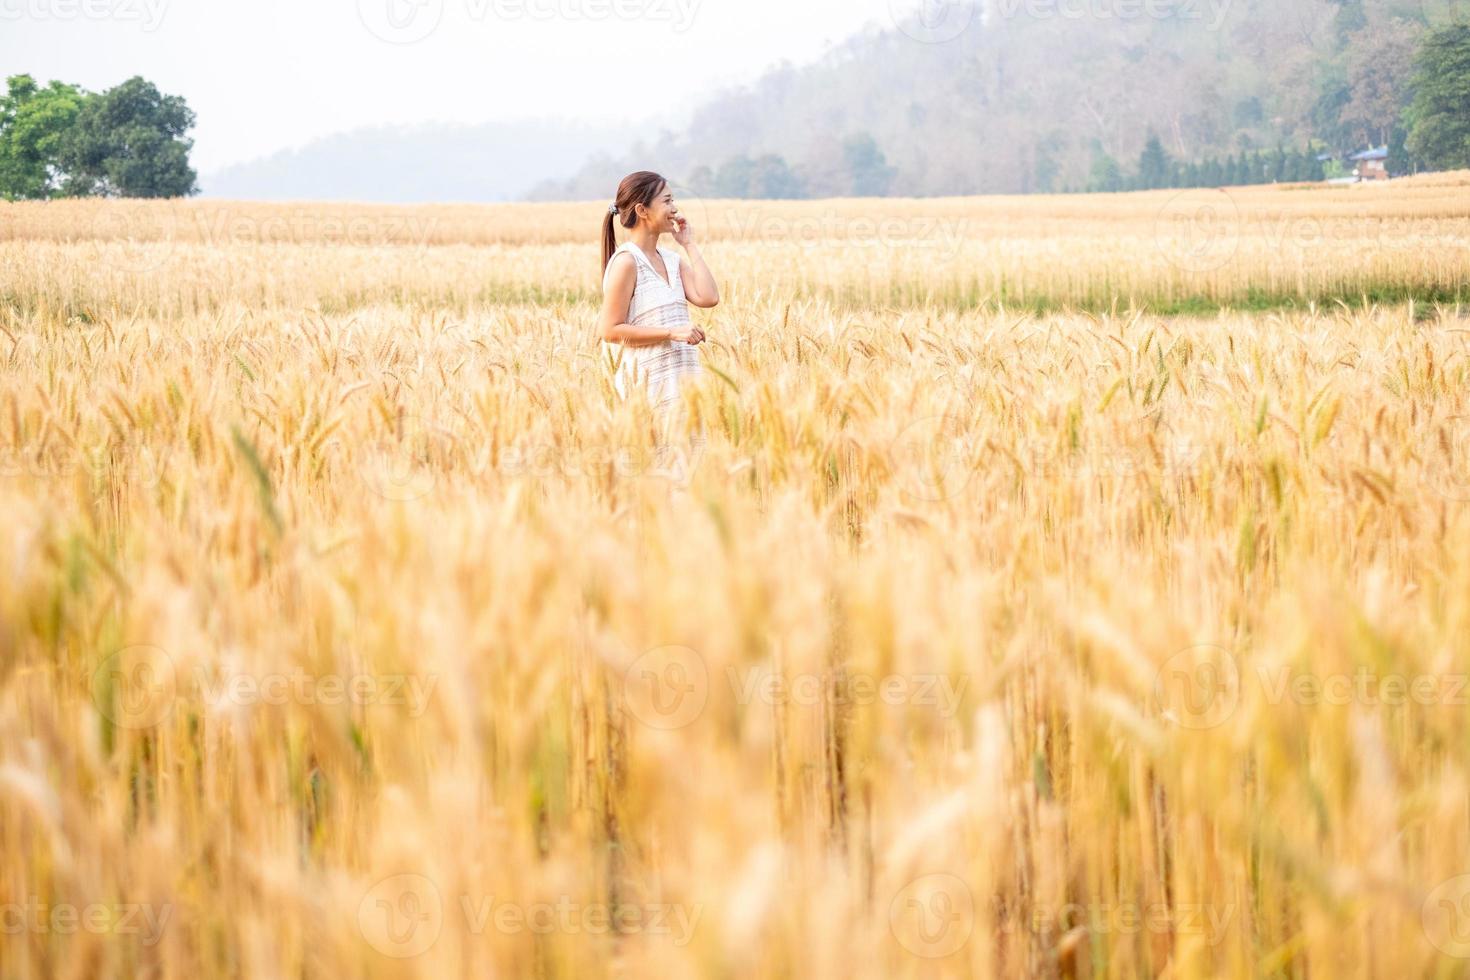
266 74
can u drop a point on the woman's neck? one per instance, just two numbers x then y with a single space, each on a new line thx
644 237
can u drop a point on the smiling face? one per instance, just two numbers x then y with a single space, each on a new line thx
660 212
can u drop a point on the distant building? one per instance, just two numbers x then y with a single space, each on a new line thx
1371 164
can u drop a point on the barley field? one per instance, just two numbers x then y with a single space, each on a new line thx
1038 587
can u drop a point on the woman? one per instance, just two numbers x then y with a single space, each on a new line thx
646 292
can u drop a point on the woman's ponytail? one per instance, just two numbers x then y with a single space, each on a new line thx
636 188
609 240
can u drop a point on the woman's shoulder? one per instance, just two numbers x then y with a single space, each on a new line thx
622 263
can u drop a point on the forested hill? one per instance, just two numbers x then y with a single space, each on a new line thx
1044 95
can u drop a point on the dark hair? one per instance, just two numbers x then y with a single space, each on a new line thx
637 188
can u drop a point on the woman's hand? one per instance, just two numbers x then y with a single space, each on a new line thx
687 334
683 231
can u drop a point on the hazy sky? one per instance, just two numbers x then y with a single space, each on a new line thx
266 74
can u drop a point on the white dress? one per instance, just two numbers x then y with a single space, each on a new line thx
655 303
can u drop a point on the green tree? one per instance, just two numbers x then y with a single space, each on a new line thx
1399 161
1105 175
866 166
1045 170
1153 164
772 178
1439 116
1316 169
34 122
1280 166
735 177
129 141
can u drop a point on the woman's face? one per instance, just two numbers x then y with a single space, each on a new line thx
662 210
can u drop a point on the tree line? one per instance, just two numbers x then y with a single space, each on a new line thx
61 140
1031 104
1157 169
861 170
1431 133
